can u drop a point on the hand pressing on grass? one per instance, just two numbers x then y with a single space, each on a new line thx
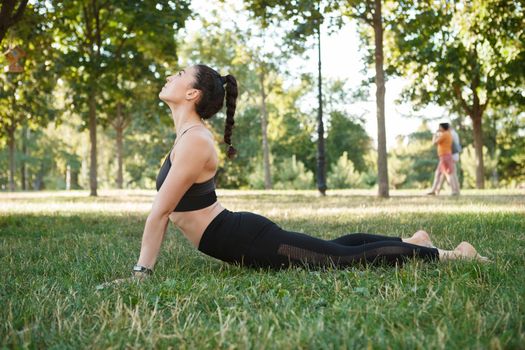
138 275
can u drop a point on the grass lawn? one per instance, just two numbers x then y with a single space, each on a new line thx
55 247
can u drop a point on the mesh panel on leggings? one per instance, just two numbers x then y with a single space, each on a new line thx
304 255
389 254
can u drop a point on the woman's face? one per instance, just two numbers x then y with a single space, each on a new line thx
179 87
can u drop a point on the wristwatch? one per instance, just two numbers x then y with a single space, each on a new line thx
141 269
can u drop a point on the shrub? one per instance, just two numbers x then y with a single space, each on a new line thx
344 175
292 174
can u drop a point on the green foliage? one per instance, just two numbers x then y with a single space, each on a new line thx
345 131
26 98
504 136
304 16
292 174
290 129
247 140
455 51
48 154
113 54
346 135
256 177
436 44
146 148
343 174
398 169
424 158
231 49
413 160
461 55
468 164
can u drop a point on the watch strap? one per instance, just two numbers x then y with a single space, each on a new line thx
141 269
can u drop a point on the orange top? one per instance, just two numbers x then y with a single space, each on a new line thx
444 143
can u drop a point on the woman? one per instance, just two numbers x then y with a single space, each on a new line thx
446 166
186 196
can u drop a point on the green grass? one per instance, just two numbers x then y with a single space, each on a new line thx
55 247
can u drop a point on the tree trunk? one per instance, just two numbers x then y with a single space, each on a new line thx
264 127
120 137
23 167
68 177
9 16
74 179
39 181
11 145
478 147
120 153
495 176
93 140
382 164
321 163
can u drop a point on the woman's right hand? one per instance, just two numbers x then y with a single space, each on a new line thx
137 277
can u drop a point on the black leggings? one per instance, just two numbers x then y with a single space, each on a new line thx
253 240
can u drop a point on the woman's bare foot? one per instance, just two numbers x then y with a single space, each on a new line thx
467 251
421 238
464 251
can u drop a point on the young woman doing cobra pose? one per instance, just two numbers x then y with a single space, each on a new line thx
186 196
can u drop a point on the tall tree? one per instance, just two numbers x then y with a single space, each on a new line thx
131 88
458 54
94 33
120 122
321 154
307 18
264 65
26 97
264 126
370 13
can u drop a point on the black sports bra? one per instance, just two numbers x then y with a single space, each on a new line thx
199 195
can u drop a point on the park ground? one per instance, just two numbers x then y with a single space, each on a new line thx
56 247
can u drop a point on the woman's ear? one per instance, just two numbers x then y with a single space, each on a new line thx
192 94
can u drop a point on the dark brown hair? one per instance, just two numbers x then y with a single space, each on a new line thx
445 126
211 84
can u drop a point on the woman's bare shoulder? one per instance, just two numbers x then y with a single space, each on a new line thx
197 140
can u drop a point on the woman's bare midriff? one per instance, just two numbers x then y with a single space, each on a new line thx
193 223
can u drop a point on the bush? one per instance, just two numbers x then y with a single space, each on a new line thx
256 178
398 169
344 175
292 174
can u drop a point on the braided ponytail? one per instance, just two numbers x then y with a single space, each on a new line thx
231 104
214 89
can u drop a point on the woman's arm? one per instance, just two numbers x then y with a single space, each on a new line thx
437 137
191 156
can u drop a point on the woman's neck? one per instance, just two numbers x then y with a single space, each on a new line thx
184 117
